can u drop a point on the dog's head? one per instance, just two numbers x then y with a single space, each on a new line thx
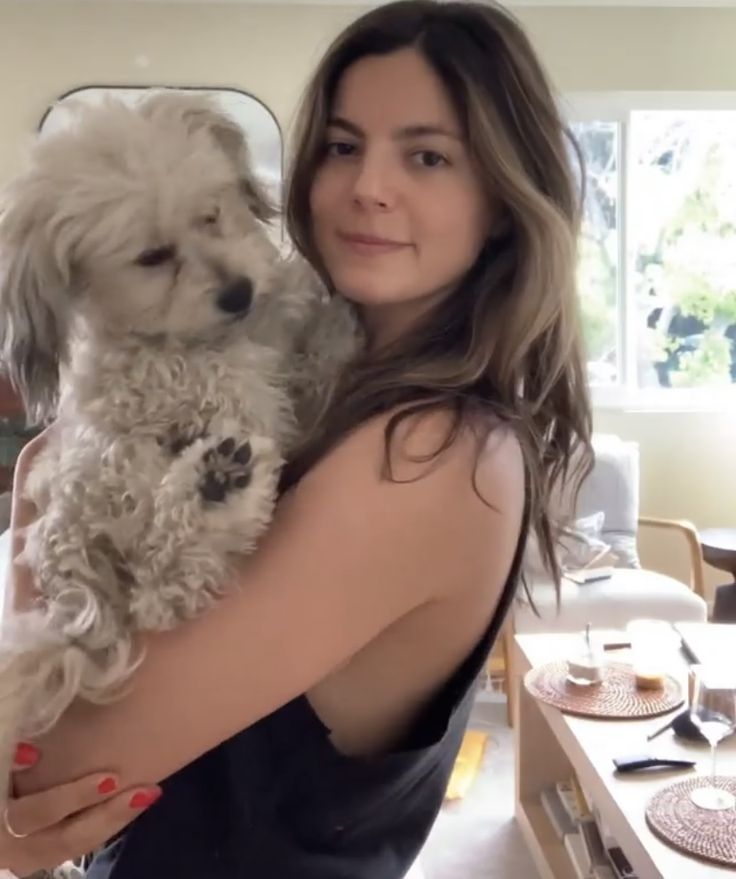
145 220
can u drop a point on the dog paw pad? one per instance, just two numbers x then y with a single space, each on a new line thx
227 468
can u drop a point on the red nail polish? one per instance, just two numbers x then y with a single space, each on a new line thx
107 785
143 799
26 754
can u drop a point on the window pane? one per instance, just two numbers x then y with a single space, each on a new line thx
598 250
682 219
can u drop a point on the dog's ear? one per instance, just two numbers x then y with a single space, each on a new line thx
259 203
202 113
230 137
34 287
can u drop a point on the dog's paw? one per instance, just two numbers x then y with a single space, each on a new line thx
179 438
228 467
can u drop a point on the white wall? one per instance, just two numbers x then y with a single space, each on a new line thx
50 47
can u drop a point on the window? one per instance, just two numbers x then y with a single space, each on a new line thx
598 265
657 256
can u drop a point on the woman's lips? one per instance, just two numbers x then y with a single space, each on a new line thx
370 245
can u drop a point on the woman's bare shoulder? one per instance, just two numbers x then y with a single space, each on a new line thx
423 443
461 488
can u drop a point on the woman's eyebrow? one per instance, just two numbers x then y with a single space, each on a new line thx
403 133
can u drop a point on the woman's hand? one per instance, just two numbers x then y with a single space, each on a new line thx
43 830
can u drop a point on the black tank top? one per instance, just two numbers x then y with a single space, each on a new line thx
279 801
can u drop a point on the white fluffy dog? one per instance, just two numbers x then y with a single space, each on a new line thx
134 260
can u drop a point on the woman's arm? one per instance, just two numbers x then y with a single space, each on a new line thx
347 555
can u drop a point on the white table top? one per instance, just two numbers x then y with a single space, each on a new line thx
591 744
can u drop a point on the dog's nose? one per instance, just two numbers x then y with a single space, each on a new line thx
236 297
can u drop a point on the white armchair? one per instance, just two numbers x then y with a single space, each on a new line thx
612 487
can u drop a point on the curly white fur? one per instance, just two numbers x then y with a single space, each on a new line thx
134 259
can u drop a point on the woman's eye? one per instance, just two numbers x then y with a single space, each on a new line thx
429 159
156 256
339 148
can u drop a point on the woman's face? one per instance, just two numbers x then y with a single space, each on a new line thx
398 210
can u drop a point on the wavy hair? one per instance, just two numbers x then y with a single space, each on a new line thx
507 341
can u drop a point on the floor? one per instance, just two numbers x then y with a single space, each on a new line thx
477 838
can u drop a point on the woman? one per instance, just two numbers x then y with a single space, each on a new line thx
306 727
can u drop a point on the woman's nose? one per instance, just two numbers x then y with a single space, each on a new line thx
373 185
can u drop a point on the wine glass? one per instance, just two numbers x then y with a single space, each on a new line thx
713 711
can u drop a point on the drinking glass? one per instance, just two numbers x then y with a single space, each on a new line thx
713 711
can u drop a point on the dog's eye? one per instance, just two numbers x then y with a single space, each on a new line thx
156 257
212 217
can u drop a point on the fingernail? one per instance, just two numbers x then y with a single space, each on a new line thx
107 785
144 798
26 754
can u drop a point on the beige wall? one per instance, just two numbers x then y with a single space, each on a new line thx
49 47
688 466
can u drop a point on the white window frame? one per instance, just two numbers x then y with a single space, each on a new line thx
617 107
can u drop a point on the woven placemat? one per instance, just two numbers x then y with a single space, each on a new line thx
616 697
676 820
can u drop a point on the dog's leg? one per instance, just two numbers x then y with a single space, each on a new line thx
216 498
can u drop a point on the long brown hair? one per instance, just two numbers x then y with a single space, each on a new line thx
507 341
